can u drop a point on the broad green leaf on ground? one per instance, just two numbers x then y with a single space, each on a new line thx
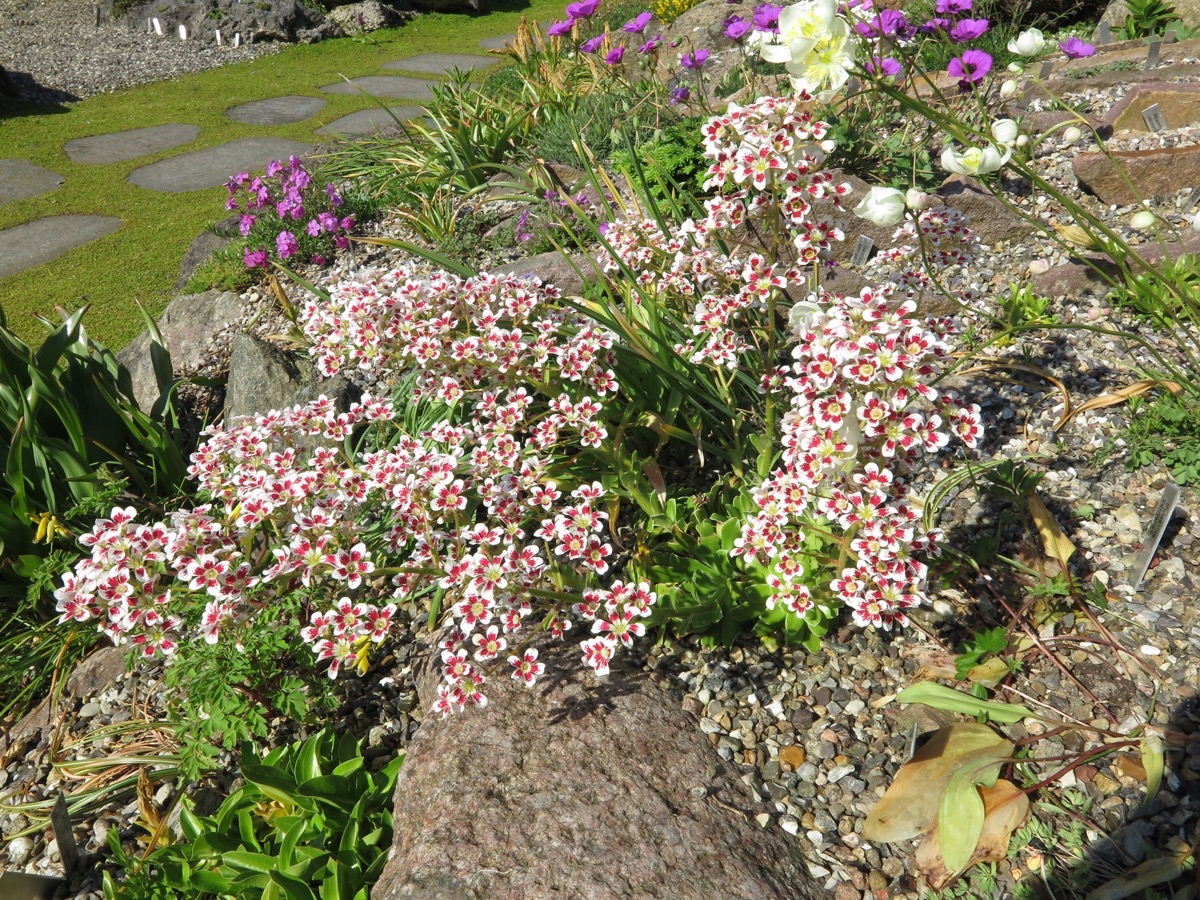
910 806
1134 882
941 697
1005 809
1058 545
961 813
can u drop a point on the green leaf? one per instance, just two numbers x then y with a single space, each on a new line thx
274 783
251 862
961 813
1152 762
335 790
210 882
941 697
293 888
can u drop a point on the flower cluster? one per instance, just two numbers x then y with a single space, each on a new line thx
286 214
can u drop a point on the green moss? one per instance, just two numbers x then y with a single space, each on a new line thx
140 261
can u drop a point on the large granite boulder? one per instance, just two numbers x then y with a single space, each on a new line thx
585 789
370 15
261 20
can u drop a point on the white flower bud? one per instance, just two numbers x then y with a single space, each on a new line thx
1008 90
1004 131
1142 220
883 206
916 200
1016 68
1022 140
1072 134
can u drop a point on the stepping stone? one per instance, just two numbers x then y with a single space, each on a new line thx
19 178
385 86
42 240
498 42
441 63
368 121
277 110
123 145
207 168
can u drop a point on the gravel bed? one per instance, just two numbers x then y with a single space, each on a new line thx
56 53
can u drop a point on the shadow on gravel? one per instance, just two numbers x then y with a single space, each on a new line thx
21 95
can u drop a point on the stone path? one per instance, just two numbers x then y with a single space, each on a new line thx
43 240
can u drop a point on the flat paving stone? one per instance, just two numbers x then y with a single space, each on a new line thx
277 110
19 179
441 63
368 121
42 240
123 145
498 42
215 165
385 86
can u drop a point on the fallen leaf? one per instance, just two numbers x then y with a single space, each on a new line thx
910 806
935 665
1126 393
1137 879
941 697
1058 545
989 673
1005 809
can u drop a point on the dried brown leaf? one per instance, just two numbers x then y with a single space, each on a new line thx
1126 393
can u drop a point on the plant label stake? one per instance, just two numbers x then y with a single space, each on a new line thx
1152 55
1154 532
1045 70
157 27
1104 33
1154 118
60 820
183 32
862 250
218 37
237 40
1170 37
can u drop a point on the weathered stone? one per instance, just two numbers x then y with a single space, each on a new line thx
187 325
1076 278
261 20
369 121
263 377
553 268
214 165
441 63
277 110
579 788
384 86
123 145
1179 103
1152 172
371 15
988 217
19 179
205 245
43 240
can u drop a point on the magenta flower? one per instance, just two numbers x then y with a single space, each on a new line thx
952 7
245 223
889 23
638 24
680 94
737 28
651 45
585 9
313 228
766 17
967 30
933 25
255 259
347 223
335 199
694 60
285 243
561 29
1075 48
884 65
274 167
970 68
592 44
614 55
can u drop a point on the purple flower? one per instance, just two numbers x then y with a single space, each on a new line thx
638 25
967 30
255 259
934 25
695 59
884 65
521 232
285 243
651 45
680 94
560 29
245 223
313 228
952 7
585 9
274 167
319 260
766 17
889 22
591 45
736 28
347 223
614 55
970 68
335 199
328 221
1075 48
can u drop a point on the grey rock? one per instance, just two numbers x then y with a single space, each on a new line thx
561 791
44 240
19 179
214 165
262 20
371 15
205 244
277 110
187 325
262 377
123 145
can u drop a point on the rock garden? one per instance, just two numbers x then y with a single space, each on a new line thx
710 449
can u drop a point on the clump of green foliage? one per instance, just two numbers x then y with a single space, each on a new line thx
310 821
1147 18
673 162
1166 431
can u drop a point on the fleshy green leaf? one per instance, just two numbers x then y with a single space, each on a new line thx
1152 762
941 697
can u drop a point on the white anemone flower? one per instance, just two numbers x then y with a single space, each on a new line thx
827 66
1029 42
801 26
974 160
881 206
